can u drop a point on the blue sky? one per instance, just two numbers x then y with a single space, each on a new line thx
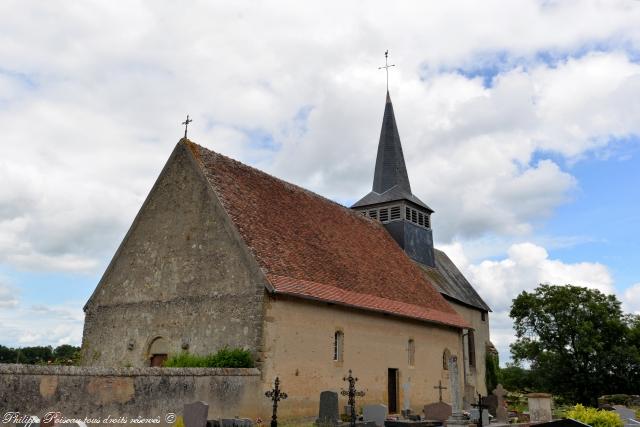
520 125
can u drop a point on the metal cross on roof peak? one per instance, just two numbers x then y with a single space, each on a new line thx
186 125
387 66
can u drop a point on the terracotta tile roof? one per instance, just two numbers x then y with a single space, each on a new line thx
311 247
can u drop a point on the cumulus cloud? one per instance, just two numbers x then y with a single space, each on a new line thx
525 267
631 300
92 94
8 295
490 103
54 324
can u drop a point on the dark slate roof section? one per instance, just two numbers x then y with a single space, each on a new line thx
390 170
390 179
452 283
392 195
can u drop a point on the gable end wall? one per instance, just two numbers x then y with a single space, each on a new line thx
181 273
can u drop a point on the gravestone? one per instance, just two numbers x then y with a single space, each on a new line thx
539 407
328 412
227 422
492 404
375 413
406 397
457 418
501 410
439 411
195 414
565 422
474 415
625 413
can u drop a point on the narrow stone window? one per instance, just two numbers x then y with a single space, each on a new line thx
446 354
338 346
411 352
472 349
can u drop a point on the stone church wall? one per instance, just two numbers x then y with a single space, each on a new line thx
475 376
299 339
153 393
181 274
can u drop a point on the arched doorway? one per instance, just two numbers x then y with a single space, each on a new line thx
158 352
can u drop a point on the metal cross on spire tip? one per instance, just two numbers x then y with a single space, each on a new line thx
186 126
387 66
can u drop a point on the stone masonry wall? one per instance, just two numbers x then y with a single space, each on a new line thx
148 393
475 375
181 273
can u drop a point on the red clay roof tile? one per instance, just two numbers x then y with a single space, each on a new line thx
311 247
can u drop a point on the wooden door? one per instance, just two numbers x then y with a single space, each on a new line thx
157 360
393 390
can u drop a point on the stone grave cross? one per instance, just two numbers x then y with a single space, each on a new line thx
440 388
501 410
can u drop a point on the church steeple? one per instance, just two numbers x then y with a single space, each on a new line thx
407 218
391 170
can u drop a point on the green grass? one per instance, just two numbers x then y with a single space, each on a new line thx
225 358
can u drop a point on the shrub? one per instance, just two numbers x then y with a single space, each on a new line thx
594 417
225 358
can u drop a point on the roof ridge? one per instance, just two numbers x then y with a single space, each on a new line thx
288 184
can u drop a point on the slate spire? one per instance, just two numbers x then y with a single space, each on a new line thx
390 169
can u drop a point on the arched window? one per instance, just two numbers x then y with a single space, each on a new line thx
446 354
411 352
338 346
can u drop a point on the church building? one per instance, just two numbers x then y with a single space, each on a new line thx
222 254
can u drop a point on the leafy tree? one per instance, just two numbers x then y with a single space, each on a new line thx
66 354
491 371
7 355
35 355
576 341
516 378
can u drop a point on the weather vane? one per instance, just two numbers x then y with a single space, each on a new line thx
186 125
387 66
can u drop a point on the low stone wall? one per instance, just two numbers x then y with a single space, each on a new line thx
127 394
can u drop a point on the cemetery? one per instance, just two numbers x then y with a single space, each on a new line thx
494 410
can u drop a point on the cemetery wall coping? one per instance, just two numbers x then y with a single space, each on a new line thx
22 369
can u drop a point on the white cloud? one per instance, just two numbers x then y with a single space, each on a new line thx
8 296
53 324
631 299
526 266
92 94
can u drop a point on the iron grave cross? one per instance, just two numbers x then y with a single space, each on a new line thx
186 125
275 395
351 394
440 388
387 66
